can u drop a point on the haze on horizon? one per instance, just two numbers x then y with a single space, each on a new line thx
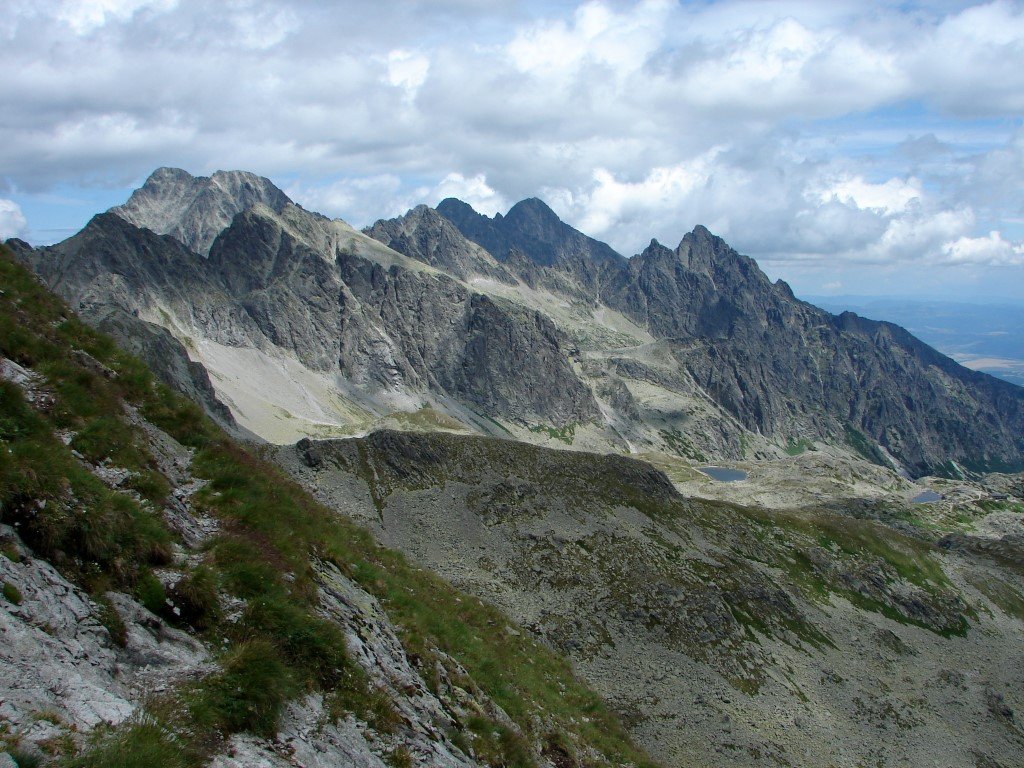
850 147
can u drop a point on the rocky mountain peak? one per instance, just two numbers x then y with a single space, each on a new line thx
655 249
531 228
428 236
532 210
195 209
453 208
703 252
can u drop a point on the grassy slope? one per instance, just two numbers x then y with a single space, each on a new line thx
273 534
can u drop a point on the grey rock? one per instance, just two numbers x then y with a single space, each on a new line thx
426 235
194 210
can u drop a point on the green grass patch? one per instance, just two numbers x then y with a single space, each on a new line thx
141 745
862 445
680 445
796 447
1001 594
248 693
566 434
851 544
11 593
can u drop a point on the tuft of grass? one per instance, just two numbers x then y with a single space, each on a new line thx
248 694
109 437
25 759
111 619
12 593
498 745
10 551
399 757
142 745
195 597
310 644
151 593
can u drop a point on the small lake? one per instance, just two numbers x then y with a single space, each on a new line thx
926 497
724 474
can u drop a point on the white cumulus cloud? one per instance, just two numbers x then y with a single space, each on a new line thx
991 250
12 221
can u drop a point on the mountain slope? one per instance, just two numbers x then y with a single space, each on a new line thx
171 600
800 637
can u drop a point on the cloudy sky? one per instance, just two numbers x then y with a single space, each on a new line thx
850 147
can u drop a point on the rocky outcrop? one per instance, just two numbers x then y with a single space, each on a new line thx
539 247
57 658
426 235
498 357
195 209
531 228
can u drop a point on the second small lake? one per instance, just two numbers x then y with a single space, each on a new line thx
724 474
926 497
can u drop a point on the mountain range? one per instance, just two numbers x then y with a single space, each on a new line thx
428 576
292 324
